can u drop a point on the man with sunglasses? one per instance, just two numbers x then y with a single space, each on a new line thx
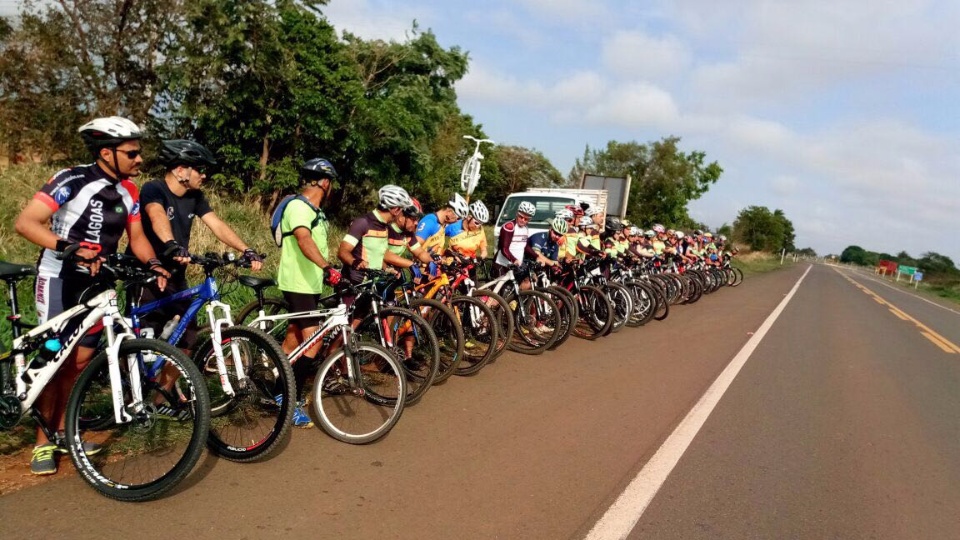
467 236
305 268
512 242
170 205
431 230
78 218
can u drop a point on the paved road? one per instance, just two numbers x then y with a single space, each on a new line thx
841 424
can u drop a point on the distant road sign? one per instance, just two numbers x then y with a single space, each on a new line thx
917 276
908 270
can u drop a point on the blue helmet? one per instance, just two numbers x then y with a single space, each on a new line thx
318 169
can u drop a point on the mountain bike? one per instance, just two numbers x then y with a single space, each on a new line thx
249 378
143 451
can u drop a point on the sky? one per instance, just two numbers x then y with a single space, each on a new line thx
844 115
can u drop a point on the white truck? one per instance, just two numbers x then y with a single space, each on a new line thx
607 193
547 201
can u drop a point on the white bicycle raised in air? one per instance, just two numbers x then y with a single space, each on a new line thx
470 175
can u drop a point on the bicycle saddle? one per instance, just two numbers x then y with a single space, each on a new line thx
256 283
16 271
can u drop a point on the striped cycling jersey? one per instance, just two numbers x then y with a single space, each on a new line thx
88 206
369 238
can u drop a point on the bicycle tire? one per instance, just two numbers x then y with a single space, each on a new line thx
357 412
251 423
402 323
449 334
479 331
536 320
596 313
569 313
174 446
622 303
271 306
501 309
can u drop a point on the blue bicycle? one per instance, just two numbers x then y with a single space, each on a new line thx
249 378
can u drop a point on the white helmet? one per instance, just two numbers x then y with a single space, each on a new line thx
635 231
565 213
108 131
650 233
586 222
479 211
658 228
723 238
527 207
392 196
459 205
592 211
679 235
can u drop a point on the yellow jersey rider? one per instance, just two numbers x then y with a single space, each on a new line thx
467 236
430 230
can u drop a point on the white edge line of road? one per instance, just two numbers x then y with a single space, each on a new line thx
623 515
874 279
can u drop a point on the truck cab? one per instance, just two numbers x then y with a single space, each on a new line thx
547 202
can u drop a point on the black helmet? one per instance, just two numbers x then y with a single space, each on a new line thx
174 152
318 169
613 223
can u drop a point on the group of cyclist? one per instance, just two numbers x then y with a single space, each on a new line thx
79 216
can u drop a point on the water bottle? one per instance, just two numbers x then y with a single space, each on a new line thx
49 349
169 327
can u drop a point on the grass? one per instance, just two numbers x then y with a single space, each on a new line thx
758 262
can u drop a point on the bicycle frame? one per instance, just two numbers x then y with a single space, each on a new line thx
204 294
30 381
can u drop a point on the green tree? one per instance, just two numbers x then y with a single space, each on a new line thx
70 60
936 264
807 252
663 178
764 230
856 255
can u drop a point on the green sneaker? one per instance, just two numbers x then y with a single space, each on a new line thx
89 448
43 462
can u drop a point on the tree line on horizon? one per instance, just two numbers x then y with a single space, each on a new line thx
266 84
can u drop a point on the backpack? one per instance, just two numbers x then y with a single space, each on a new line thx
277 217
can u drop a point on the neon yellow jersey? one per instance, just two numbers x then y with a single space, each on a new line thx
658 247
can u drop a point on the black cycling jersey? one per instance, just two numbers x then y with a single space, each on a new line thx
179 210
90 207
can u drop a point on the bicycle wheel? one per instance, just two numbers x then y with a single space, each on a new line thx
596 313
409 337
449 334
501 310
567 306
536 321
252 422
644 303
140 459
622 304
271 306
479 331
359 410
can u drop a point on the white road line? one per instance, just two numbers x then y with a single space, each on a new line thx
873 278
626 511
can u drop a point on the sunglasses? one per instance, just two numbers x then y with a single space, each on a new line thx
131 154
523 216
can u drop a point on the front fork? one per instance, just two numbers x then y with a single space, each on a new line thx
216 335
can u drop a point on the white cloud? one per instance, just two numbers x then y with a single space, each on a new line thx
378 20
568 11
633 54
635 105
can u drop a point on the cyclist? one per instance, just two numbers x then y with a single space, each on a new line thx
513 239
88 208
402 239
169 205
365 244
467 236
544 247
430 230
305 267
